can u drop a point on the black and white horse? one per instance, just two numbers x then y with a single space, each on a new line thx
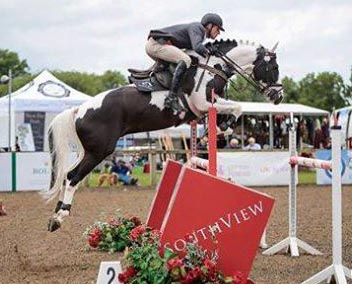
96 125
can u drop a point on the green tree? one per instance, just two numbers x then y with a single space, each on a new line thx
291 92
325 91
240 90
91 84
17 83
10 60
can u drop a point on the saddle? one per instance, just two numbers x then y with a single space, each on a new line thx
159 76
156 78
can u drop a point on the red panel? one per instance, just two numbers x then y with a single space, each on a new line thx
201 202
163 193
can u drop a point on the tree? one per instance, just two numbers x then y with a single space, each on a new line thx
91 84
240 90
325 91
10 60
291 92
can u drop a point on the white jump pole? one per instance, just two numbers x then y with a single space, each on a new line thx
292 243
337 272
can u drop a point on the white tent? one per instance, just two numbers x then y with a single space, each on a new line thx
269 108
248 108
36 104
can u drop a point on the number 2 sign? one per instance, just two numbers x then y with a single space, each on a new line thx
109 272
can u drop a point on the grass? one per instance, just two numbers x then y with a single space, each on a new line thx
137 172
304 177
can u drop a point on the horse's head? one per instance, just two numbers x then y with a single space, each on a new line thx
257 64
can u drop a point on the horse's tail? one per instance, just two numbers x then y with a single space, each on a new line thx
62 133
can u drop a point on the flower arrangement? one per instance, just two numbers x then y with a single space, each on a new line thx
148 262
113 235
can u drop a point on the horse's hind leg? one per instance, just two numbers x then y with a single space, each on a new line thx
61 197
73 178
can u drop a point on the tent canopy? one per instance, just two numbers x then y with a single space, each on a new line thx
44 93
269 108
37 103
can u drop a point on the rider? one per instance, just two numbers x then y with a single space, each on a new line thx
167 44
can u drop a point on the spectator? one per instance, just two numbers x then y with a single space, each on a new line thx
234 144
252 145
104 175
121 172
203 146
325 130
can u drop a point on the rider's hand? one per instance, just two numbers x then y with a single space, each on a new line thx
212 50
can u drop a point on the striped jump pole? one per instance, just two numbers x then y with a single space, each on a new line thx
292 243
209 165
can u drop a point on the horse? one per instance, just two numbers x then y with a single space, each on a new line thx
95 126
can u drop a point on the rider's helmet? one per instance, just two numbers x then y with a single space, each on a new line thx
212 18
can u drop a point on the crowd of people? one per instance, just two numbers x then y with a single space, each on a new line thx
310 132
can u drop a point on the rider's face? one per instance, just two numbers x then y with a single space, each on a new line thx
214 32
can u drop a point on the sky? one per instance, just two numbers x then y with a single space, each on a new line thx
99 35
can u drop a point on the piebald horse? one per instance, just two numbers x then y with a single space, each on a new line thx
95 127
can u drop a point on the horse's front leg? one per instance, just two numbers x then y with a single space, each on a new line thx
229 108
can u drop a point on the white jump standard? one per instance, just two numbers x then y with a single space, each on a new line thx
292 243
337 272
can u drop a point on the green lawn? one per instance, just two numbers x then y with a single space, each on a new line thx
137 172
304 177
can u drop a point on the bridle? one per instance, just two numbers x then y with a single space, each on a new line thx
270 90
235 68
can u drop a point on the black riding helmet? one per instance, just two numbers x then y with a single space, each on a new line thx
212 18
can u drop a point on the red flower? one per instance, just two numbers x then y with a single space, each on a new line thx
195 274
136 221
95 237
174 262
209 264
136 232
127 274
155 233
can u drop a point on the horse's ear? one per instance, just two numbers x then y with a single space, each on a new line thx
274 47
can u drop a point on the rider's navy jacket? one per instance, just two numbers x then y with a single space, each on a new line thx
184 36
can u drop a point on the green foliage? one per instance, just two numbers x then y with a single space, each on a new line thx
91 84
240 90
10 60
291 90
149 262
325 91
111 236
17 83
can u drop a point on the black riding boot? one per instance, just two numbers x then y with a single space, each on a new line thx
171 101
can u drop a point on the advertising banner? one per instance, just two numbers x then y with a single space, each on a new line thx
221 216
324 176
5 172
33 171
255 168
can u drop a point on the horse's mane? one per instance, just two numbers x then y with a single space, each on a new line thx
228 44
248 43
223 45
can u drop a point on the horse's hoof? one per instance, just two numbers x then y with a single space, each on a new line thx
53 225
